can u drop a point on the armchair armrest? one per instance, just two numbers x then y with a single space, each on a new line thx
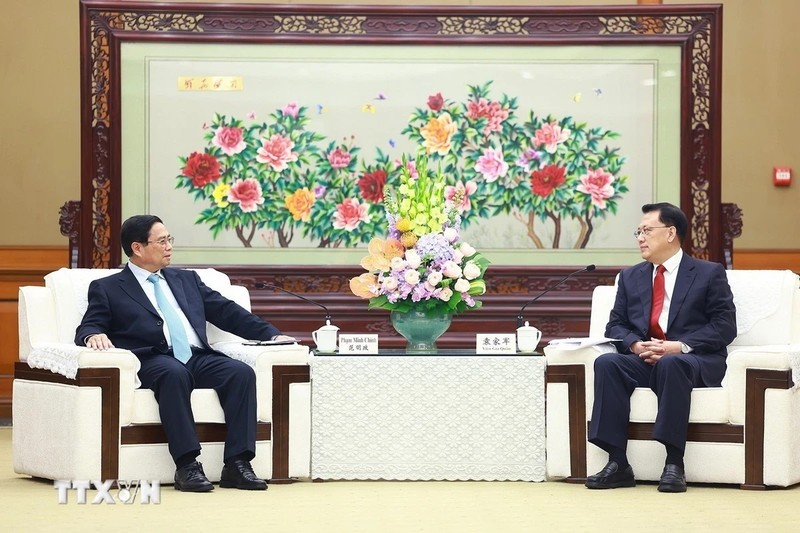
582 356
263 359
67 359
771 357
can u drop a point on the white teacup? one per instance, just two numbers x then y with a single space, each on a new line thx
528 338
326 337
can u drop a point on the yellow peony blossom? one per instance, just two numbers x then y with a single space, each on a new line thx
438 133
220 195
299 204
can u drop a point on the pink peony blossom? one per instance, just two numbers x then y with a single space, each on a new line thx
276 152
291 109
493 112
339 158
349 214
551 135
229 140
597 184
460 194
246 193
491 165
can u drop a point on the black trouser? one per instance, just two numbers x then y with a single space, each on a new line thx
173 383
617 375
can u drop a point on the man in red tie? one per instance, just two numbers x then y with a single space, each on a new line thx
674 318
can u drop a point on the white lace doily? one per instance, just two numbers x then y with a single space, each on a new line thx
62 359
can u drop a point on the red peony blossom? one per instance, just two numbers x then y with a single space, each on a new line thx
435 102
202 168
371 185
545 181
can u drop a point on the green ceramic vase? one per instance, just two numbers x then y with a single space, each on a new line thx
421 329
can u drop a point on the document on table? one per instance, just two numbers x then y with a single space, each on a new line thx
601 344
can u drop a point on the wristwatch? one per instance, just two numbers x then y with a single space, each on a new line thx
685 348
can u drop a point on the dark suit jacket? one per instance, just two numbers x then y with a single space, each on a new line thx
701 312
119 308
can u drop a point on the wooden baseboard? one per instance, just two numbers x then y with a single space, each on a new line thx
766 260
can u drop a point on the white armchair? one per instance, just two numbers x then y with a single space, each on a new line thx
745 432
78 414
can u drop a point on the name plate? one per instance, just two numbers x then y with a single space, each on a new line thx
358 344
491 343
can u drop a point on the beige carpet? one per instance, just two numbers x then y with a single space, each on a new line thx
385 507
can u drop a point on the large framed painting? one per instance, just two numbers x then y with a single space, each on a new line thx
265 135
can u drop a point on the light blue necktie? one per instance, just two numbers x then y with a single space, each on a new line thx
177 333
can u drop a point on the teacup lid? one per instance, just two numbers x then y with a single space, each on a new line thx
328 326
527 326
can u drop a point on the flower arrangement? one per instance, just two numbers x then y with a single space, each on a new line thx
423 264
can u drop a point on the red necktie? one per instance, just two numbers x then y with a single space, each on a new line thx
658 303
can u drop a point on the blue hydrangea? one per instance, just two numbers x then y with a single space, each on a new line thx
434 249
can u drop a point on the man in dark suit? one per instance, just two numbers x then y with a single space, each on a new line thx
160 315
674 316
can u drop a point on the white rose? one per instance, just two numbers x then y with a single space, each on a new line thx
457 256
461 285
471 270
389 283
466 249
434 278
446 294
452 270
413 259
411 276
451 234
398 263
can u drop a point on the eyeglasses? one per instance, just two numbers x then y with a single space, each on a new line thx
163 242
646 231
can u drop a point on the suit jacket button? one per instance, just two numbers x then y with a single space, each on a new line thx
159 323
163 342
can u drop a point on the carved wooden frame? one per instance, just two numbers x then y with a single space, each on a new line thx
106 24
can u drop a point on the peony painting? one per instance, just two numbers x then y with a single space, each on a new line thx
281 175
551 151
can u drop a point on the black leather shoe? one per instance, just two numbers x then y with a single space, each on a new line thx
611 477
239 475
673 479
191 478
